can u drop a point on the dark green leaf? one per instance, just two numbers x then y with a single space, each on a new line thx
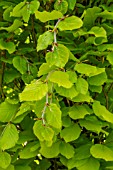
20 63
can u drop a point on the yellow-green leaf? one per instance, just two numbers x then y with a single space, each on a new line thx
61 78
34 91
47 16
70 23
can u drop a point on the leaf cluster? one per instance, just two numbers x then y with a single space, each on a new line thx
56 85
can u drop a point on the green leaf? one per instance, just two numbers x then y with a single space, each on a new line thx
61 78
20 63
47 16
82 155
22 109
45 68
110 58
70 23
92 125
82 98
10 75
19 118
39 106
97 89
6 14
102 112
66 121
98 71
90 16
69 93
50 152
25 13
34 5
66 150
82 86
43 132
44 164
72 163
17 9
24 9
23 167
71 133
72 57
44 40
61 6
98 80
10 167
9 137
85 69
94 164
34 91
72 76
5 159
83 151
9 46
102 152
7 111
98 31
59 57
71 4
105 47
78 112
53 116
27 152
16 24
26 135
106 15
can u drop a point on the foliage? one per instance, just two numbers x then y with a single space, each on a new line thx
56 84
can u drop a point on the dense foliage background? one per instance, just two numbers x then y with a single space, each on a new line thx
56 85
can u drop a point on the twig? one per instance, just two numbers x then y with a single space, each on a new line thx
47 100
44 110
55 33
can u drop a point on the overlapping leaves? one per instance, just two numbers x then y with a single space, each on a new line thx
66 112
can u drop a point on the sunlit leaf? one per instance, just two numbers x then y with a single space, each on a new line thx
59 57
70 23
102 151
46 16
61 78
9 137
34 91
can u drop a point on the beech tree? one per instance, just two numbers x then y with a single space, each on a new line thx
56 85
